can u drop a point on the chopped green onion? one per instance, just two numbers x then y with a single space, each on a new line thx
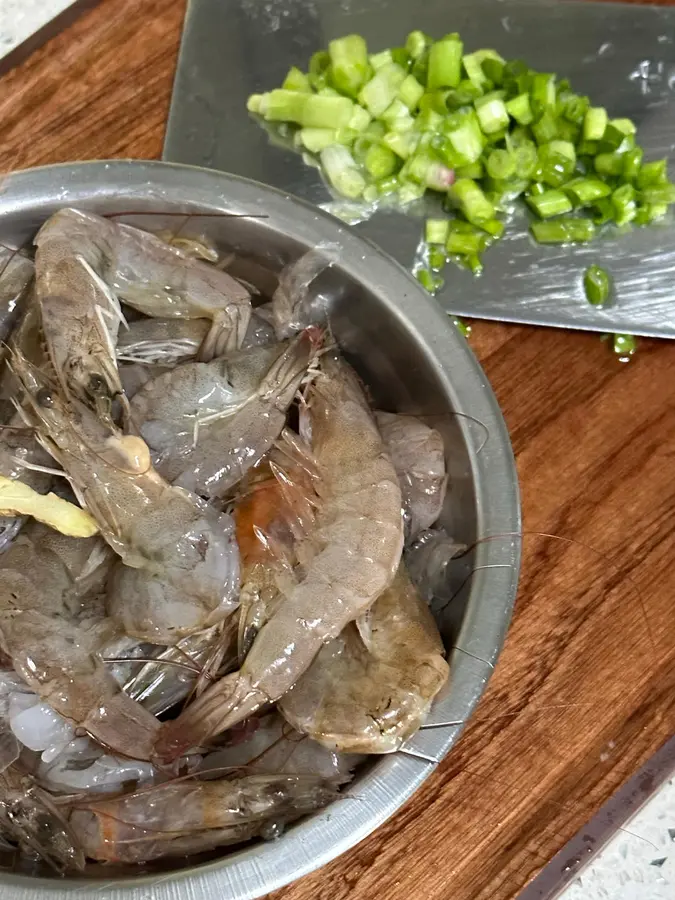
465 137
550 203
437 258
402 144
472 170
349 66
543 93
424 167
317 139
409 191
417 43
380 162
464 244
658 194
609 164
397 116
546 129
597 285
501 164
411 91
632 161
492 112
586 191
472 201
342 171
296 80
519 109
494 228
595 123
653 173
381 91
563 231
436 231
461 326
624 345
445 63
625 207
429 281
474 71
318 69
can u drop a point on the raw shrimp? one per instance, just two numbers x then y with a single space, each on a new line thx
370 700
168 342
293 308
46 631
272 746
29 819
16 274
350 558
419 459
19 450
208 423
141 269
83 766
190 816
185 574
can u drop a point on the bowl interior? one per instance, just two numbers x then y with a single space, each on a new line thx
412 361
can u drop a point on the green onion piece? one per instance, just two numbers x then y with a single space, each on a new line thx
380 92
587 191
288 106
627 126
526 159
494 228
434 101
625 207
550 203
493 68
377 60
360 119
574 108
501 164
461 326
519 109
563 231
595 123
568 131
445 63
426 168
465 137
650 212
409 191
397 117
318 69
317 139
632 161
597 285
342 171
557 160
546 129
429 281
492 113
474 71
587 148
417 43
437 258
411 91
475 264
381 162
609 164
325 112
349 66
624 345
472 170
463 244
611 139
370 193
660 194
254 102
472 201
429 120
603 211
536 189
388 186
401 57
296 80
653 173
436 231
403 144
542 93
346 136
463 95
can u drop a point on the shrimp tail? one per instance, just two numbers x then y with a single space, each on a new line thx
226 334
224 704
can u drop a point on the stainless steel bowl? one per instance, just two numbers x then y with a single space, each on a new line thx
414 361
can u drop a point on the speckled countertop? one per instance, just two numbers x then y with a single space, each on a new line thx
19 19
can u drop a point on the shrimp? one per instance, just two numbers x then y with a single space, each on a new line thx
84 263
29 819
47 632
370 700
350 558
189 816
16 274
181 567
292 307
208 423
168 342
419 459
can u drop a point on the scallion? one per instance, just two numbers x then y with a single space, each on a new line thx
597 285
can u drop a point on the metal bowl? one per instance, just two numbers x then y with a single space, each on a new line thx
413 360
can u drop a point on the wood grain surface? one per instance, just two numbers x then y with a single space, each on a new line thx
584 692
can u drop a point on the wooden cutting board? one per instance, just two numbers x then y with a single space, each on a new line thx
582 695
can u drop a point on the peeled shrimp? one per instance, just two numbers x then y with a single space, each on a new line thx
190 816
85 264
349 560
208 423
181 567
47 632
362 699
419 459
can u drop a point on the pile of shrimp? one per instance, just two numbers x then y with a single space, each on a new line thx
249 620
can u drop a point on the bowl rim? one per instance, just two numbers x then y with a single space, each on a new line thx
258 870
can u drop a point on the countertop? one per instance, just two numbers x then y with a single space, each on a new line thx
584 692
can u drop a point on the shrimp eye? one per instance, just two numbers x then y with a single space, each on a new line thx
44 398
97 385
